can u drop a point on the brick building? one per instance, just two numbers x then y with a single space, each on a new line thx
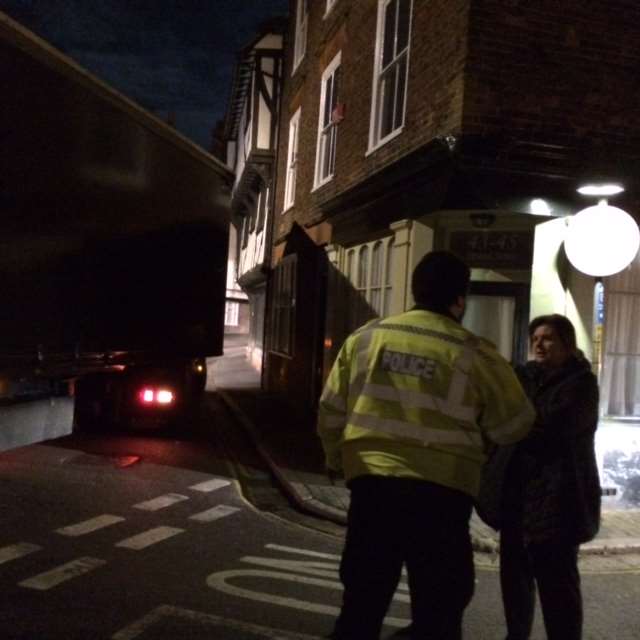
409 125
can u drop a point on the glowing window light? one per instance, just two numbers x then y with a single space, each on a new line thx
602 240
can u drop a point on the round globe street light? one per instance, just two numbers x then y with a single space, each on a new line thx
602 240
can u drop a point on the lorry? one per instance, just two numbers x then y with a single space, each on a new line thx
113 251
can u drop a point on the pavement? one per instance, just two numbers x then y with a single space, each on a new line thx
293 452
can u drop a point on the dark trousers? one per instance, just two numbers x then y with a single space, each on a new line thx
396 521
553 567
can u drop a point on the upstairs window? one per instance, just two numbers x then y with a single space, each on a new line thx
245 229
390 70
292 162
327 125
300 43
263 204
252 202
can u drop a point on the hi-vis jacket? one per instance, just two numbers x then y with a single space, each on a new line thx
417 395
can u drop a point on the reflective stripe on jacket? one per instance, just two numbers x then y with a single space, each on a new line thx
417 395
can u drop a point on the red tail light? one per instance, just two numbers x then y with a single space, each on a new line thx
156 396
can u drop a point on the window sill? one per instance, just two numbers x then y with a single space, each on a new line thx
381 143
325 182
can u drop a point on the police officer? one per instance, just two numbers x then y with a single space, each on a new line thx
405 413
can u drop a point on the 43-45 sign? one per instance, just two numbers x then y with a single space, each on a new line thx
483 248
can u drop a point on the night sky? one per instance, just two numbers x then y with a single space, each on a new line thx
170 56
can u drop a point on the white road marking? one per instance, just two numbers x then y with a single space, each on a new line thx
210 485
137 628
18 550
215 513
315 572
312 567
402 586
329 556
161 502
146 539
88 526
219 581
303 552
54 577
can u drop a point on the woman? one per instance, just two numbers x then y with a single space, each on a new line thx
551 500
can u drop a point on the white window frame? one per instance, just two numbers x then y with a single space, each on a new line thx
367 287
376 139
327 129
300 39
292 161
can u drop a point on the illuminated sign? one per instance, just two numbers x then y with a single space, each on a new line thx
485 249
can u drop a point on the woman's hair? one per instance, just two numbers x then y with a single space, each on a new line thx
562 326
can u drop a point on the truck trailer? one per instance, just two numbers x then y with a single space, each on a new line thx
113 251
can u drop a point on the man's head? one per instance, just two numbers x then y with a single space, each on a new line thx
440 282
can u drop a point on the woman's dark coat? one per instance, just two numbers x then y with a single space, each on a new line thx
552 479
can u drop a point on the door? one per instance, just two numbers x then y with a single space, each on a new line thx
499 312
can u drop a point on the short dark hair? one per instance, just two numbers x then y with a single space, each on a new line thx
562 326
439 279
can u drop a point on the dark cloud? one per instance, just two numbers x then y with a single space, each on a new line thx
168 55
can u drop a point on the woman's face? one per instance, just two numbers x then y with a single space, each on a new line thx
547 348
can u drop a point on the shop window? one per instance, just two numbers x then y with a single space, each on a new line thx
390 71
376 277
283 306
388 278
371 280
327 125
620 380
348 269
363 269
